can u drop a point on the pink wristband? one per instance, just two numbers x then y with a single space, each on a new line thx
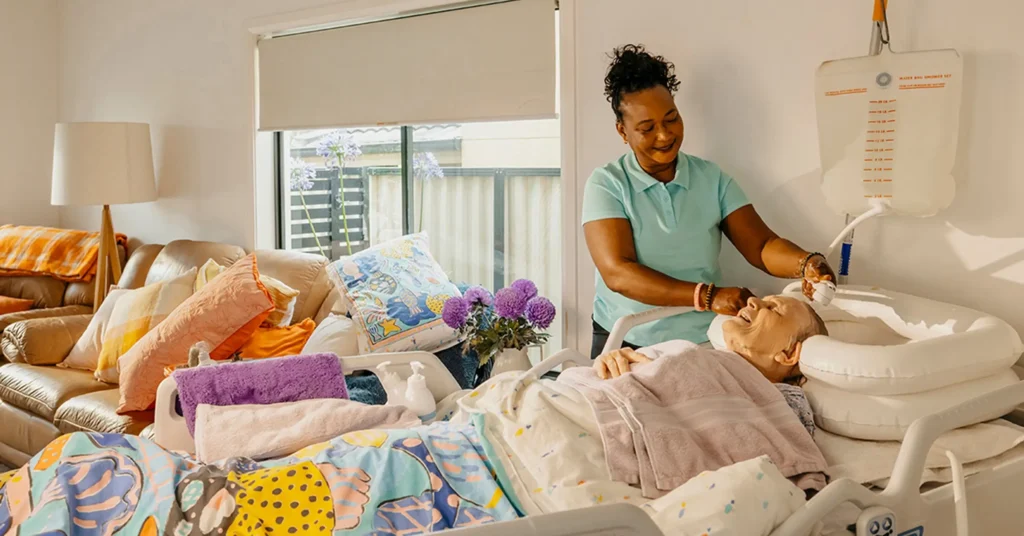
698 304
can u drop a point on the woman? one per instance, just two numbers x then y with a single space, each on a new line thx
654 218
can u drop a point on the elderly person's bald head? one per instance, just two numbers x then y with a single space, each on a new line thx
770 333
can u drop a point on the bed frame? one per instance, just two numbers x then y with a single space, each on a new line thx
996 496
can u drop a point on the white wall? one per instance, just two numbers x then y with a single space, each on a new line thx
747 72
187 68
28 110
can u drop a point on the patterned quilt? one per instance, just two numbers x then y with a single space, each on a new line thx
378 482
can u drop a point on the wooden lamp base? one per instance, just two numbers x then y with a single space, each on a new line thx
108 263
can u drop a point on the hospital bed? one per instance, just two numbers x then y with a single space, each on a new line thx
989 502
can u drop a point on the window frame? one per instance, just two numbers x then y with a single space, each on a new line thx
407 141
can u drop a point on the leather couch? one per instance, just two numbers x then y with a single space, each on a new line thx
39 402
52 298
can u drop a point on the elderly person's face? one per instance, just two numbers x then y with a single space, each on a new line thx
769 333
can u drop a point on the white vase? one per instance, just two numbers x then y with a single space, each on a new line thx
510 359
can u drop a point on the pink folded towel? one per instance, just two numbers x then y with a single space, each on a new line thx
275 430
692 410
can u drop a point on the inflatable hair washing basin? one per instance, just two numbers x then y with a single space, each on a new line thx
891 358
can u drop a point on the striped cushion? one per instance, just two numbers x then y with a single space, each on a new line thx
135 314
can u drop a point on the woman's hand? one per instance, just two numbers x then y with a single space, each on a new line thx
815 271
618 362
729 300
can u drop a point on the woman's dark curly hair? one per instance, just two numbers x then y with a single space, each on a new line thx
634 69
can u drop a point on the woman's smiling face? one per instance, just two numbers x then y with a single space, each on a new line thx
652 126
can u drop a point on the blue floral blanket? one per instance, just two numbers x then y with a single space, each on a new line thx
376 482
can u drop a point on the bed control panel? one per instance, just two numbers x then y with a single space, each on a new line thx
876 521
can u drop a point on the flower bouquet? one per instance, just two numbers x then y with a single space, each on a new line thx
513 318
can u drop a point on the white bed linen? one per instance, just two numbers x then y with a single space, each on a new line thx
871 462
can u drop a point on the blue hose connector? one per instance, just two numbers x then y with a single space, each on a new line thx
844 259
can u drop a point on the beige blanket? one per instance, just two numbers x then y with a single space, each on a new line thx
694 409
274 430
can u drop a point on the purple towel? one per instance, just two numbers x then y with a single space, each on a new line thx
267 381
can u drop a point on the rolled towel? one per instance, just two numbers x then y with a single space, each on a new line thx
267 381
275 430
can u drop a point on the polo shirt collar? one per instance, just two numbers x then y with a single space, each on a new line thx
642 181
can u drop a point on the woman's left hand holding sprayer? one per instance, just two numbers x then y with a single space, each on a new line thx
816 270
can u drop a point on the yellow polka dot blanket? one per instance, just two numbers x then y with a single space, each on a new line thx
377 482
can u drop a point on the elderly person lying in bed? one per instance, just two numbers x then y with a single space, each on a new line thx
768 333
642 423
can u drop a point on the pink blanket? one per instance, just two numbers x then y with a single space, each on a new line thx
692 410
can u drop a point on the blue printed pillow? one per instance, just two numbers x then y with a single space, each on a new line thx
395 292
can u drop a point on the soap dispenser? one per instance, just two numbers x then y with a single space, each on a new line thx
393 385
418 397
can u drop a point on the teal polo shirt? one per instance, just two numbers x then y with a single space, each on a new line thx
675 231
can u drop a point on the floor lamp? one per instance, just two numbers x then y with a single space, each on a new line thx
103 164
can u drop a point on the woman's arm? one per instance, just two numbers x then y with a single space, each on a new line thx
610 242
760 246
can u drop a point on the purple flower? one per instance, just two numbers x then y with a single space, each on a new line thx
540 312
454 312
302 175
510 303
337 147
526 287
425 166
475 295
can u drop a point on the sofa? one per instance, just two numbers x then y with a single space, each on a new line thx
40 401
52 298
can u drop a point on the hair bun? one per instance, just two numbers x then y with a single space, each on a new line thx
634 69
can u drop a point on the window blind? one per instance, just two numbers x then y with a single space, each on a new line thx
492 62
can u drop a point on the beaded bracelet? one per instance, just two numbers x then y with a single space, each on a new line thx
803 263
698 304
707 297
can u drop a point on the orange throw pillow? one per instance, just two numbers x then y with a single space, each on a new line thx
278 342
14 305
224 314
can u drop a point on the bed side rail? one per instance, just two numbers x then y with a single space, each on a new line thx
603 520
628 322
906 476
902 495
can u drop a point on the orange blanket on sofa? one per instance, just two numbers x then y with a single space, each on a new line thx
64 254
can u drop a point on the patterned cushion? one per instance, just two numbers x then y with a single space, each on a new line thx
134 315
394 292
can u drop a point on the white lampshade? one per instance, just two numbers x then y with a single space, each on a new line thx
102 164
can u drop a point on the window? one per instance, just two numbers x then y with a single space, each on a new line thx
487 194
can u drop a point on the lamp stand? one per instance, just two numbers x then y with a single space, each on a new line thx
108 262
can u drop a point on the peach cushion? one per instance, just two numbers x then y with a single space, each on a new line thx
14 305
278 342
284 296
223 313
